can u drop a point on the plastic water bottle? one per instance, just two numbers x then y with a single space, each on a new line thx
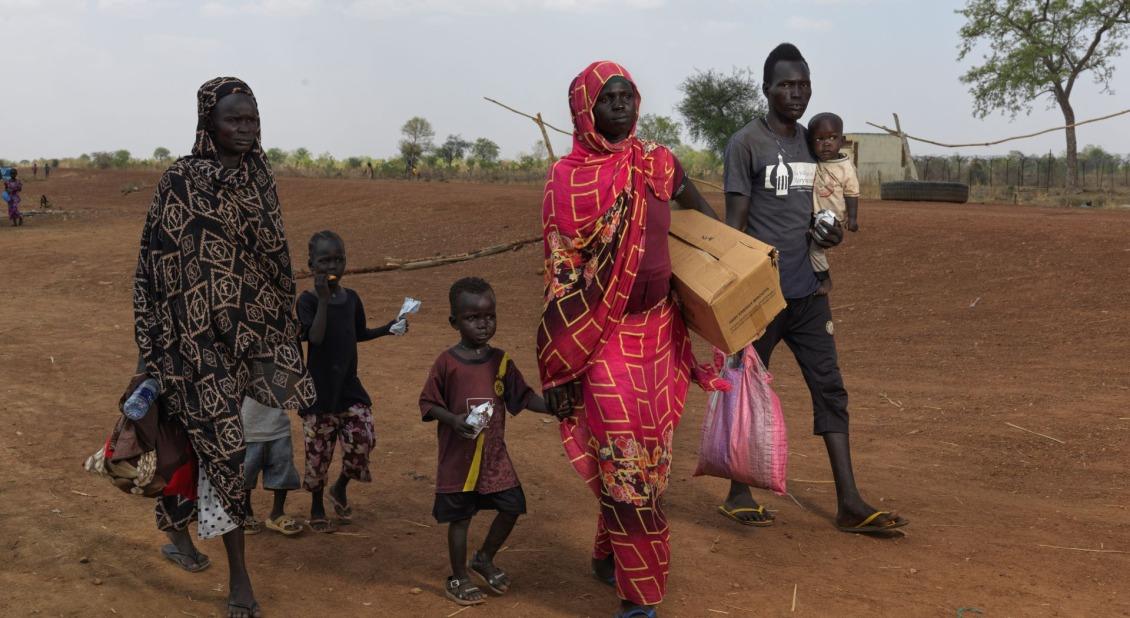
138 403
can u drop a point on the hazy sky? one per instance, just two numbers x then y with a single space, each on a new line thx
343 76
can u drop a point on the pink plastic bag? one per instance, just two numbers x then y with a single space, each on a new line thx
743 435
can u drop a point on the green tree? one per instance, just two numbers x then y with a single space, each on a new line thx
659 129
453 149
715 106
277 156
301 158
418 135
1040 48
327 164
121 158
161 153
484 152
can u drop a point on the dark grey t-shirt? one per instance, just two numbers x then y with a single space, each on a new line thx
754 167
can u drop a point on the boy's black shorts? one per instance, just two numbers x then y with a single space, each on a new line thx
464 505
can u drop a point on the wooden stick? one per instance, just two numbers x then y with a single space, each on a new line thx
806 481
503 105
1097 551
459 611
794 599
1035 433
543 124
1000 141
706 182
436 261
416 523
545 139
906 150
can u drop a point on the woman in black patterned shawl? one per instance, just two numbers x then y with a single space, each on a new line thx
213 305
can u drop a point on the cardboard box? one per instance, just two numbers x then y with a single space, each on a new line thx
728 281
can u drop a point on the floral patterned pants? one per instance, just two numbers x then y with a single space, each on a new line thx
353 429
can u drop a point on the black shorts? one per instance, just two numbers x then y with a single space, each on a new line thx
464 505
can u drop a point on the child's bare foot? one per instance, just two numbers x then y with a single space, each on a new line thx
495 578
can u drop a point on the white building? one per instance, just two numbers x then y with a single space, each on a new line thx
878 157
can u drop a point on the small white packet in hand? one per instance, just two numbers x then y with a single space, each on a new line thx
411 305
480 415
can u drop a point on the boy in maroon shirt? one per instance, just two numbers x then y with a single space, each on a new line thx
474 471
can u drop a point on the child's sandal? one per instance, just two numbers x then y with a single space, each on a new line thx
252 526
498 582
321 524
463 592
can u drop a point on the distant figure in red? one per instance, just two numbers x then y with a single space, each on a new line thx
35 170
12 187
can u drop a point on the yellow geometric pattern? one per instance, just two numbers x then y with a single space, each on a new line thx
620 443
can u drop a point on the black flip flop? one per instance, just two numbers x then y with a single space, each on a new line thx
344 511
192 564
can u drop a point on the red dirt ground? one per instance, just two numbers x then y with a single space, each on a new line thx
952 321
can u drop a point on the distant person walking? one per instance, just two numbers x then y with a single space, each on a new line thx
12 187
35 170
369 170
46 170
214 319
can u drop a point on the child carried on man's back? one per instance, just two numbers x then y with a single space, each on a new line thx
836 186
469 389
333 322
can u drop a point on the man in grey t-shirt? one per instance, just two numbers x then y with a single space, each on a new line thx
768 182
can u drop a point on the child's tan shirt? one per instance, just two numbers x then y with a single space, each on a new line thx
835 180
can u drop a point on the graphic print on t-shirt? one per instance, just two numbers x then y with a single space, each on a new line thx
783 177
